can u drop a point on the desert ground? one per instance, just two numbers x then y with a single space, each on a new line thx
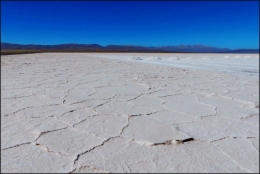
138 112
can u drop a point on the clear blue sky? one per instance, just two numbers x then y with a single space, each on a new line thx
221 24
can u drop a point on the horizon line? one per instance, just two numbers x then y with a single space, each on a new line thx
126 45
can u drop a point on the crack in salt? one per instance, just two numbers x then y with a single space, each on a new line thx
169 142
48 150
16 145
232 159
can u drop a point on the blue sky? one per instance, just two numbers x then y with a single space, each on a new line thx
221 24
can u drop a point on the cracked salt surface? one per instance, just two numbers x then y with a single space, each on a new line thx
65 112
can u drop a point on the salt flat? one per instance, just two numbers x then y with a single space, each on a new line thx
91 112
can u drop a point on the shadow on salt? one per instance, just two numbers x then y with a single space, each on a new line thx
134 58
153 58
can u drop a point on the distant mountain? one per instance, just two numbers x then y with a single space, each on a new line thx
195 48
8 46
244 51
125 48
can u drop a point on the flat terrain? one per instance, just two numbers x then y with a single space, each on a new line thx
11 52
79 112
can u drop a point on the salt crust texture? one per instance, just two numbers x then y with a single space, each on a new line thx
73 112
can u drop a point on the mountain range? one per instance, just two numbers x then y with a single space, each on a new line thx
124 48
